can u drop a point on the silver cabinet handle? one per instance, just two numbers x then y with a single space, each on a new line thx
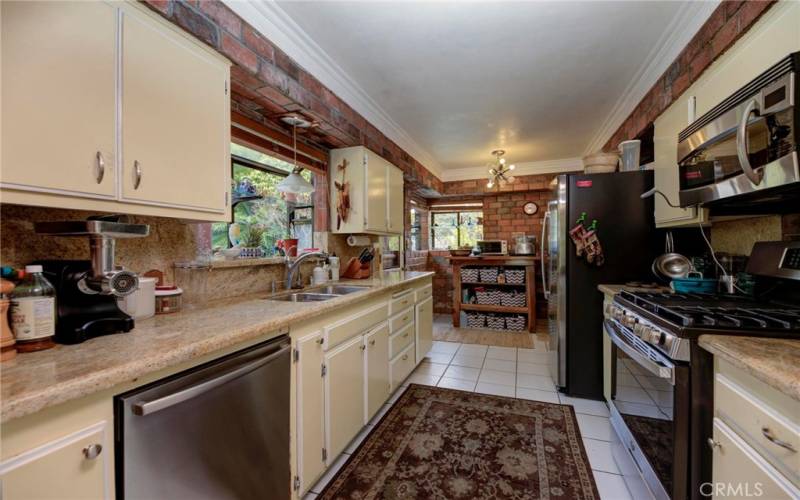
713 444
320 341
372 342
772 439
405 357
101 167
362 347
405 335
541 256
137 174
92 451
741 143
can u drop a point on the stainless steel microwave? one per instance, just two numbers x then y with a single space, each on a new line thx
742 156
493 247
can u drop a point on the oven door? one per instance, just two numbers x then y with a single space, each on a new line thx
649 410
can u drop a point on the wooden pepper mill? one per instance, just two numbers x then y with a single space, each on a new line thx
7 349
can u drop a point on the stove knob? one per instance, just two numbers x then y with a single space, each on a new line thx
644 330
654 336
629 321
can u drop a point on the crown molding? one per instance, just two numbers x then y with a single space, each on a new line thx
274 23
686 23
525 168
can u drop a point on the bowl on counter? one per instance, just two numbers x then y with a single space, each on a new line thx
460 252
600 163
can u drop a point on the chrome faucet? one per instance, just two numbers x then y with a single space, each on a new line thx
293 266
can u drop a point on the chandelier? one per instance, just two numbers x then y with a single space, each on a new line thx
499 172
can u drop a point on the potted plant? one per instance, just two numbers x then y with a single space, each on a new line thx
251 245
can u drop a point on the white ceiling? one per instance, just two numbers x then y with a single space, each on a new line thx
450 81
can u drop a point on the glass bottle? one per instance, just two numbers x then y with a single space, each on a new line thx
33 311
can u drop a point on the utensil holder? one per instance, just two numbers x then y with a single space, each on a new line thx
355 270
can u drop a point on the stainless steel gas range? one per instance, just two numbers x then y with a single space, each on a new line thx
662 392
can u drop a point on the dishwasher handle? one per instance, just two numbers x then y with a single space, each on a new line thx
144 408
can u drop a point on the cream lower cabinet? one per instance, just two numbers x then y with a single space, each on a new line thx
376 369
137 120
424 328
73 467
344 394
310 435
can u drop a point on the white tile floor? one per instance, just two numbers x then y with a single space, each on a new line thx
522 373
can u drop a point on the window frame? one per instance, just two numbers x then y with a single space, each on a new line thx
458 225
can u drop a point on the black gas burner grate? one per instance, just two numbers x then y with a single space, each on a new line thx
716 311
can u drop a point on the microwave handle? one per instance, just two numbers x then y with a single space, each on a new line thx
542 257
741 142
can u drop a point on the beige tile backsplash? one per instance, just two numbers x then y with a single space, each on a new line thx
170 240
737 236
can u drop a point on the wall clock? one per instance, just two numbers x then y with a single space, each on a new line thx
530 208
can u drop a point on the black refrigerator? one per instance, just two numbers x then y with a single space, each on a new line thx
626 232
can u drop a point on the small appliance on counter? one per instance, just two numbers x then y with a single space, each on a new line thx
87 290
493 247
525 245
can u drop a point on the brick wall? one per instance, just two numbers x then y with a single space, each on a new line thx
729 21
266 83
439 263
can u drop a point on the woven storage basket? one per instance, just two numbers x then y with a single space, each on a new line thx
488 297
515 276
476 320
469 275
512 299
489 275
515 323
495 322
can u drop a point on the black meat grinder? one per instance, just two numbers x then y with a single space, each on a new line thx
87 290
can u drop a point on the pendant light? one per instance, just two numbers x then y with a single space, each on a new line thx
499 172
294 182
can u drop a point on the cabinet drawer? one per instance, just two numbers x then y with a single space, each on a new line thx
741 472
402 300
401 367
401 320
355 325
423 293
759 424
401 340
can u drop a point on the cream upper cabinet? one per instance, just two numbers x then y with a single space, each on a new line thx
123 74
309 438
76 466
774 36
396 216
375 189
58 97
424 339
344 394
376 369
174 118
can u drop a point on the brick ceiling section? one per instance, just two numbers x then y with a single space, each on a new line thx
266 83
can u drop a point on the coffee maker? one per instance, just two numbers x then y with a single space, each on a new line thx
87 290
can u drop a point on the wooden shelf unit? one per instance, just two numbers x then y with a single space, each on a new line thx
528 262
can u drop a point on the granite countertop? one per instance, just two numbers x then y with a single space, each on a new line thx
614 289
773 361
34 381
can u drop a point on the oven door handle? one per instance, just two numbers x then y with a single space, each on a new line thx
662 369
741 143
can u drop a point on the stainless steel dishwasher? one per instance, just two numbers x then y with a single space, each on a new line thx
220 430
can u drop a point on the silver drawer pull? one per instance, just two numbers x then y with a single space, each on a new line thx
405 318
101 168
372 342
713 444
772 439
320 341
405 357
137 174
92 451
405 335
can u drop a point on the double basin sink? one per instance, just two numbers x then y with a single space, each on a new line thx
320 294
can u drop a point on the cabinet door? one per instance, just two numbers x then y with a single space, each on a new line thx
59 97
310 401
375 198
66 468
424 321
344 395
739 472
396 204
175 120
377 369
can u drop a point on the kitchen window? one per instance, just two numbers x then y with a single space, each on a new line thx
259 207
451 230
415 230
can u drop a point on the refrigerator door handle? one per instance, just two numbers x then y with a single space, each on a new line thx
542 256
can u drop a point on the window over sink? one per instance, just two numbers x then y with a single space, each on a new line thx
262 214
